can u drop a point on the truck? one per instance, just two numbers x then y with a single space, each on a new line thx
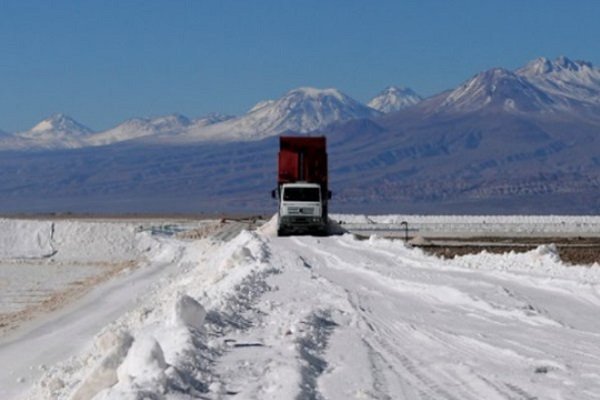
302 189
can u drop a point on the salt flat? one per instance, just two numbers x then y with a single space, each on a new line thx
253 316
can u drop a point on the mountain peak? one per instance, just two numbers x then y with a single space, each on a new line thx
394 98
306 109
392 89
542 66
300 110
564 79
497 88
62 123
565 63
56 131
315 93
577 65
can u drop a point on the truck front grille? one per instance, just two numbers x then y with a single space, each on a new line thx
301 210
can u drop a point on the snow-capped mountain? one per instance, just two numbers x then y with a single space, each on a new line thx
300 110
58 130
540 86
212 118
141 127
563 78
261 104
151 128
394 98
57 125
494 89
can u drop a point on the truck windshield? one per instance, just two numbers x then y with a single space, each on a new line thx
301 194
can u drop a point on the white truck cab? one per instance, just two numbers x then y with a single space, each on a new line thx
301 209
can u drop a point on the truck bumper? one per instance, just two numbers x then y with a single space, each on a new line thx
311 225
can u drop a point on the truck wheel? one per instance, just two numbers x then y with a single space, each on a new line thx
322 232
281 232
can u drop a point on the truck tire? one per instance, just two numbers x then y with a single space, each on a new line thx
322 232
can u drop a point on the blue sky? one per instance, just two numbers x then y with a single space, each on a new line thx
102 62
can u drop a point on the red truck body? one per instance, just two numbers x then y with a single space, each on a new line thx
303 159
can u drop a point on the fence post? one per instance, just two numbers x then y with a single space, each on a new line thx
405 230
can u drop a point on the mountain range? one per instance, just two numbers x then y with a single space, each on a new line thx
521 141
301 110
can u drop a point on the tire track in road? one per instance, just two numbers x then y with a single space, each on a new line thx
408 375
451 332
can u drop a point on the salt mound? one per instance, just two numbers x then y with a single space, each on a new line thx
188 312
334 228
25 239
144 365
549 251
115 346
269 228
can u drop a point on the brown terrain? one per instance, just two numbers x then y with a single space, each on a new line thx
572 250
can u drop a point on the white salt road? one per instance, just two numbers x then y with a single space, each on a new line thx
422 328
260 317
